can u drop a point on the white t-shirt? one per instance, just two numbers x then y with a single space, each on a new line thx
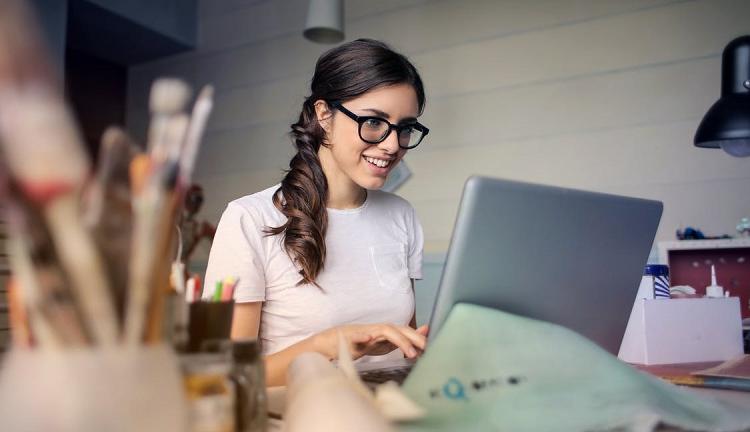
372 252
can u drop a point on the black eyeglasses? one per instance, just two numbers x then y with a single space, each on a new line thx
374 130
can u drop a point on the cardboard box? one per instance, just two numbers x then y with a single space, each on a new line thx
687 330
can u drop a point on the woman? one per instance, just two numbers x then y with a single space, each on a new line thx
325 251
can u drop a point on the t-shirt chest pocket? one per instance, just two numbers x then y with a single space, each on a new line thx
389 261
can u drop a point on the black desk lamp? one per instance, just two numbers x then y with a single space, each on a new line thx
726 125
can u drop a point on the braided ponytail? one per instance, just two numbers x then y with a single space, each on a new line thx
302 198
342 73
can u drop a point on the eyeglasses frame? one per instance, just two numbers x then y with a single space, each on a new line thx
362 119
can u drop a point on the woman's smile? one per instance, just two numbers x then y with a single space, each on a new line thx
379 166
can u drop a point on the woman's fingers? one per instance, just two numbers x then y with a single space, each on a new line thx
405 338
417 339
358 341
424 330
373 338
397 338
358 337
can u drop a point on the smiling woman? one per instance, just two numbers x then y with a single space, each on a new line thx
326 251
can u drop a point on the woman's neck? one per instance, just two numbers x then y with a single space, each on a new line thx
345 196
343 193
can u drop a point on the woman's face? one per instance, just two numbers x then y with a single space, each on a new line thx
366 165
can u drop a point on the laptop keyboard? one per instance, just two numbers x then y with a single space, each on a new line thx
378 376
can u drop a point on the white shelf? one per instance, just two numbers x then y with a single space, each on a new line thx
666 246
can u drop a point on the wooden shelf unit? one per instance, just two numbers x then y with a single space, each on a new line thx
690 264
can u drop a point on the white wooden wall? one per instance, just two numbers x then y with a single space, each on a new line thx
595 94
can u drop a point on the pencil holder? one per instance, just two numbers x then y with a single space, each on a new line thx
209 323
102 389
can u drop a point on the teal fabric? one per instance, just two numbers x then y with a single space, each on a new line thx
492 371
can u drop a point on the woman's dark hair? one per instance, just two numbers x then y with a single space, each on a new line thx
342 73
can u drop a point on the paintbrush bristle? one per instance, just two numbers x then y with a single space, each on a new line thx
169 96
206 93
201 111
113 136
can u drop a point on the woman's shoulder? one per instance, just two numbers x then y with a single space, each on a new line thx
258 204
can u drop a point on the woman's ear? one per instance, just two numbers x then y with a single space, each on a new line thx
324 114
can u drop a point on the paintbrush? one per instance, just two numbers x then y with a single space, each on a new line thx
168 99
186 158
185 155
27 296
152 205
145 202
48 163
154 219
198 119
45 156
108 212
47 297
174 137
20 329
23 57
112 178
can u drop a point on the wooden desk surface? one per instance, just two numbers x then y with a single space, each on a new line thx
738 397
277 395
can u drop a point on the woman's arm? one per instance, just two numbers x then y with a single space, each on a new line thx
364 339
245 325
246 320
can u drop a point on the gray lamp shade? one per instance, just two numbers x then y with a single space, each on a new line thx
726 125
325 21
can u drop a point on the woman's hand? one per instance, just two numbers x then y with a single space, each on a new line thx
372 339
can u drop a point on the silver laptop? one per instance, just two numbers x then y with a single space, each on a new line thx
565 256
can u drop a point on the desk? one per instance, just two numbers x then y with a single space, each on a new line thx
276 401
277 395
737 397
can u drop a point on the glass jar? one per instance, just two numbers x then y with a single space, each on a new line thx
248 374
209 392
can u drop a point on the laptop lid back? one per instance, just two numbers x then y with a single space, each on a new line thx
569 257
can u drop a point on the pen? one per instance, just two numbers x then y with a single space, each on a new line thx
228 289
198 291
217 291
190 291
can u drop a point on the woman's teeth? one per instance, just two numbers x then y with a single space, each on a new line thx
378 162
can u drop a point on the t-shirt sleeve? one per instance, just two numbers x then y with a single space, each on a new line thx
416 246
237 251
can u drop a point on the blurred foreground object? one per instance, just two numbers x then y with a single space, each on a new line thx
89 249
321 397
491 370
61 275
109 389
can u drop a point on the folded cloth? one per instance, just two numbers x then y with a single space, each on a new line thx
491 370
